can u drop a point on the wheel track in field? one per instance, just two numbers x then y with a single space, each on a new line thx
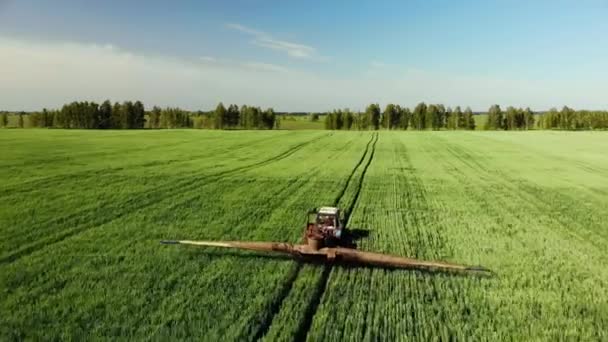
313 305
142 199
300 180
290 185
321 285
44 182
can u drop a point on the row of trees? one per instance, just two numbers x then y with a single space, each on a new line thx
245 117
511 119
132 115
570 119
90 115
395 117
169 118
4 119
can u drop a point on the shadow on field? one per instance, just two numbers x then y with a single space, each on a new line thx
352 235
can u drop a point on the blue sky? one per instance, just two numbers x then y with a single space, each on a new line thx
305 55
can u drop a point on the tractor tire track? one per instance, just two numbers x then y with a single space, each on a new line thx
170 307
303 185
142 199
277 304
313 305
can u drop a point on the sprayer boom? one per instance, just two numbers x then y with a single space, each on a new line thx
332 254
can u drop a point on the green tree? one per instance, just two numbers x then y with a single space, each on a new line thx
128 119
528 118
155 117
440 117
20 123
495 118
4 119
349 119
431 115
35 119
232 117
363 121
406 116
328 123
510 118
390 116
268 118
459 119
566 118
469 119
418 117
220 116
139 115
373 115
47 118
449 119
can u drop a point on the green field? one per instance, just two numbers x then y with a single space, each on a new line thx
82 213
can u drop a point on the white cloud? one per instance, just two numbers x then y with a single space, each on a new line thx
41 74
265 67
208 59
265 40
376 64
245 29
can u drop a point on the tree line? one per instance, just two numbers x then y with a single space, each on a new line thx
511 119
132 115
90 115
246 117
570 119
395 117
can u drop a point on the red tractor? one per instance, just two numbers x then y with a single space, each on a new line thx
324 228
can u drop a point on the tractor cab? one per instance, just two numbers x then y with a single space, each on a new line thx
324 225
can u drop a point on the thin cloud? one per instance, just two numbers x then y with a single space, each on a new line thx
377 64
265 40
38 74
245 29
257 66
234 64
208 59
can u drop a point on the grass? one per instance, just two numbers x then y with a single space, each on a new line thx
82 212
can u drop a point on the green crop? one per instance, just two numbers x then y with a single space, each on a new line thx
82 213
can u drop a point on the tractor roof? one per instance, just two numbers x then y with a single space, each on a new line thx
328 210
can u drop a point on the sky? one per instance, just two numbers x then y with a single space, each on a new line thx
303 56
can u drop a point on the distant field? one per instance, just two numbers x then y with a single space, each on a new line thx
81 214
301 122
480 121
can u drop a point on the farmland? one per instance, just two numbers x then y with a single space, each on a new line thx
81 214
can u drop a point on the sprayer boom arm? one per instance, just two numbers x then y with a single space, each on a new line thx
337 253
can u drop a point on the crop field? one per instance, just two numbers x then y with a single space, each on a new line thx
82 213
